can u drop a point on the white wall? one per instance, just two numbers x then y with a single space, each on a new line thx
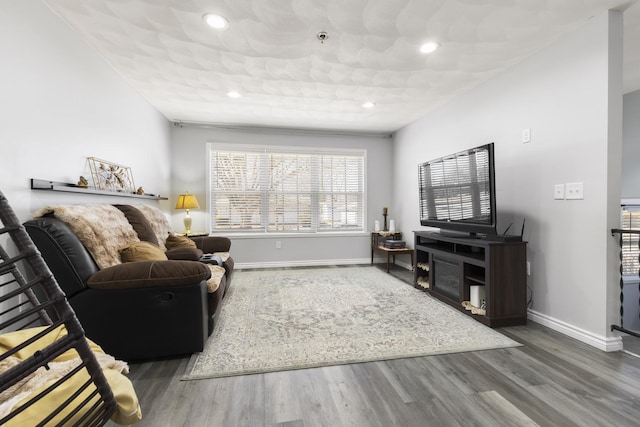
631 146
61 103
189 172
570 96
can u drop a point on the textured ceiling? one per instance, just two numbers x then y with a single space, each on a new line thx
287 78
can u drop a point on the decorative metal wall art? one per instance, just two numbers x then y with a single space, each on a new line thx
111 176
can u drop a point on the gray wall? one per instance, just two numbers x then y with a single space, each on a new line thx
631 146
570 96
189 172
61 103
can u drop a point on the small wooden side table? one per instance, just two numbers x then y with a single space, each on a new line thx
377 244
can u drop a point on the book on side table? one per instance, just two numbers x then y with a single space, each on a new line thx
395 244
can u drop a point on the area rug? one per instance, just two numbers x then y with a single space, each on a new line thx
274 320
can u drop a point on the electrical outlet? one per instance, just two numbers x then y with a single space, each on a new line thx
558 192
526 135
574 191
278 244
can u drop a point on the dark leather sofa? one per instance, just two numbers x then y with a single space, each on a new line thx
136 310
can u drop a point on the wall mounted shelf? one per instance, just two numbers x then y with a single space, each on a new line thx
44 185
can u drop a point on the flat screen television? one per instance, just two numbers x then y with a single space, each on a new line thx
457 192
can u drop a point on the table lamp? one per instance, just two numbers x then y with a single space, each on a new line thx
187 201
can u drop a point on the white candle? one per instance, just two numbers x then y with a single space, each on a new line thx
392 226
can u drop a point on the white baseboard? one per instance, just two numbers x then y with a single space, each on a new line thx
405 265
314 263
306 263
598 341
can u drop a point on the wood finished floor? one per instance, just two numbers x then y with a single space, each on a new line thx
551 380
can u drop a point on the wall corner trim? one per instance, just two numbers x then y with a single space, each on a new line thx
598 341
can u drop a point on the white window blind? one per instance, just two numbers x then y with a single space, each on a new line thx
279 189
630 250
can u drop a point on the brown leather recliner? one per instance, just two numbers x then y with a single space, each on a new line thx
137 310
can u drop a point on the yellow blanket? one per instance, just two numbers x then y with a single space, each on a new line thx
127 408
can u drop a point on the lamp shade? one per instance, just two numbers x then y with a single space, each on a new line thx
187 201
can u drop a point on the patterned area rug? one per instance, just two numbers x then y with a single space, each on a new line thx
290 319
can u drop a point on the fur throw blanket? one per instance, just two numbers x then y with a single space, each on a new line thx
216 277
102 229
159 223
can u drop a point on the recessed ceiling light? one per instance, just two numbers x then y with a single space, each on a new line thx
429 47
369 104
216 21
233 94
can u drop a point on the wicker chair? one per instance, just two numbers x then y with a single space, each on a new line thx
28 292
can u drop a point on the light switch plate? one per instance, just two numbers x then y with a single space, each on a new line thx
558 192
574 191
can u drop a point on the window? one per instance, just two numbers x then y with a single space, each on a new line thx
283 189
630 250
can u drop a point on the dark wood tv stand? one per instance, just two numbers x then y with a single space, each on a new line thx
447 268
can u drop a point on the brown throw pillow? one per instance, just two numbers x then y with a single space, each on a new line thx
141 251
175 241
145 274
